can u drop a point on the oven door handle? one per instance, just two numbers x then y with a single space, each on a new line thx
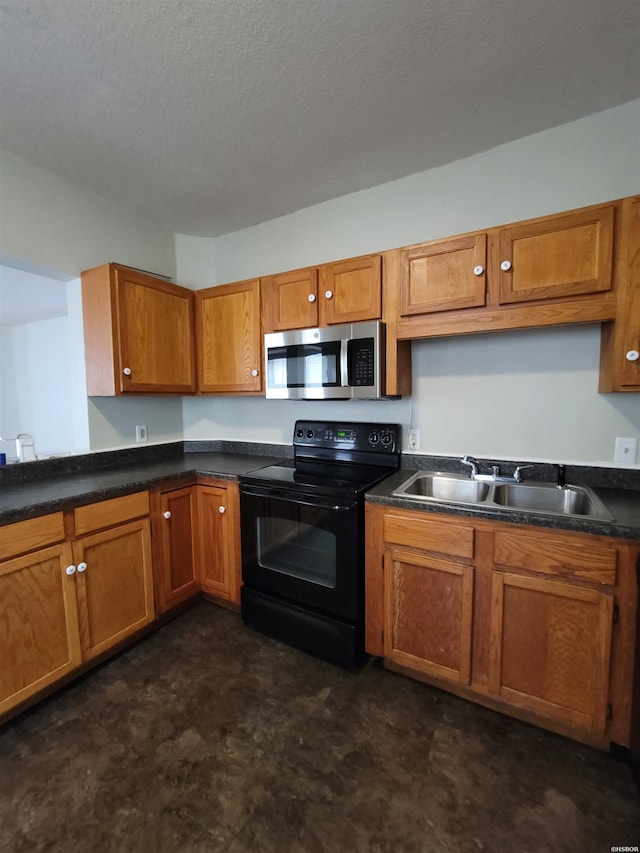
293 497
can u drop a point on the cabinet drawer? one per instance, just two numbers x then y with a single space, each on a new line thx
24 536
440 537
108 513
553 555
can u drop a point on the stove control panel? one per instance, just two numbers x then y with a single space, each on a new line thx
347 435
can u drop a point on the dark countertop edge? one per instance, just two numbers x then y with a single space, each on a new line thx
182 474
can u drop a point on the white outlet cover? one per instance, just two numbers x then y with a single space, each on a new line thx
626 450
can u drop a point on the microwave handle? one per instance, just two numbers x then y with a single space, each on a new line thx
344 362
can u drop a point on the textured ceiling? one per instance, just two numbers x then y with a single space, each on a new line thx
213 115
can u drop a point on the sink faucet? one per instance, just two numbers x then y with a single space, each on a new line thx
495 476
469 460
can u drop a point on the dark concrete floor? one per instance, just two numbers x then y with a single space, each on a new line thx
207 736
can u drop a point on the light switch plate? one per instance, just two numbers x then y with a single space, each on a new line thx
625 450
141 432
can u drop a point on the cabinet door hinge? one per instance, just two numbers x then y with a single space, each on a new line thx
616 614
609 711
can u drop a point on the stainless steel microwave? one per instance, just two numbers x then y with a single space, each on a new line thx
333 363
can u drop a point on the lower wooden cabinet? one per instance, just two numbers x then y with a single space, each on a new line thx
114 579
218 560
534 622
428 614
64 604
550 648
39 631
174 531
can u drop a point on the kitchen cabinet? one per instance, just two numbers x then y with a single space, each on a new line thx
551 625
620 350
533 622
114 576
346 291
219 569
174 528
545 271
138 333
39 628
70 590
229 339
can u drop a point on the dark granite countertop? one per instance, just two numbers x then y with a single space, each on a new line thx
58 484
31 489
622 503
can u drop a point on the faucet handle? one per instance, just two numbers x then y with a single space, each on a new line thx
517 474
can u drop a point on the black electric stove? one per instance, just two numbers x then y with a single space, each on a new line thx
303 536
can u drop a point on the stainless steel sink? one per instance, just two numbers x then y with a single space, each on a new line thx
536 497
443 487
549 498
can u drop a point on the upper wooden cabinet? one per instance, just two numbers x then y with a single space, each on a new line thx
343 292
546 271
556 256
229 339
138 333
444 275
620 352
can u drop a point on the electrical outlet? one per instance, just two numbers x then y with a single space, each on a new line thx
625 450
413 439
141 432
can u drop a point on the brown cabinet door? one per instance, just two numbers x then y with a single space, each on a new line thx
39 635
630 319
114 585
556 257
444 275
156 334
550 648
229 339
177 580
351 290
291 300
428 615
218 537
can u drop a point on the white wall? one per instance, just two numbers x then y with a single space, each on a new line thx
50 226
529 395
38 387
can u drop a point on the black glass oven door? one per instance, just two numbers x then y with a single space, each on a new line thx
302 548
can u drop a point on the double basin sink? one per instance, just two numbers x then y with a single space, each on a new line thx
538 497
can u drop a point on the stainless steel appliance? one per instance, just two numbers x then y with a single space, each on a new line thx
333 363
302 529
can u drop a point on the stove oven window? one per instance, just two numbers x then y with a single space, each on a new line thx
291 547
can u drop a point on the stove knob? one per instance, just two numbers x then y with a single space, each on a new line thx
299 433
309 433
374 438
386 438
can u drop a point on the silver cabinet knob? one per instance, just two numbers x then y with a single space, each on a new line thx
166 514
82 567
328 294
70 570
478 270
632 355
311 297
505 265
222 509
127 371
254 372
